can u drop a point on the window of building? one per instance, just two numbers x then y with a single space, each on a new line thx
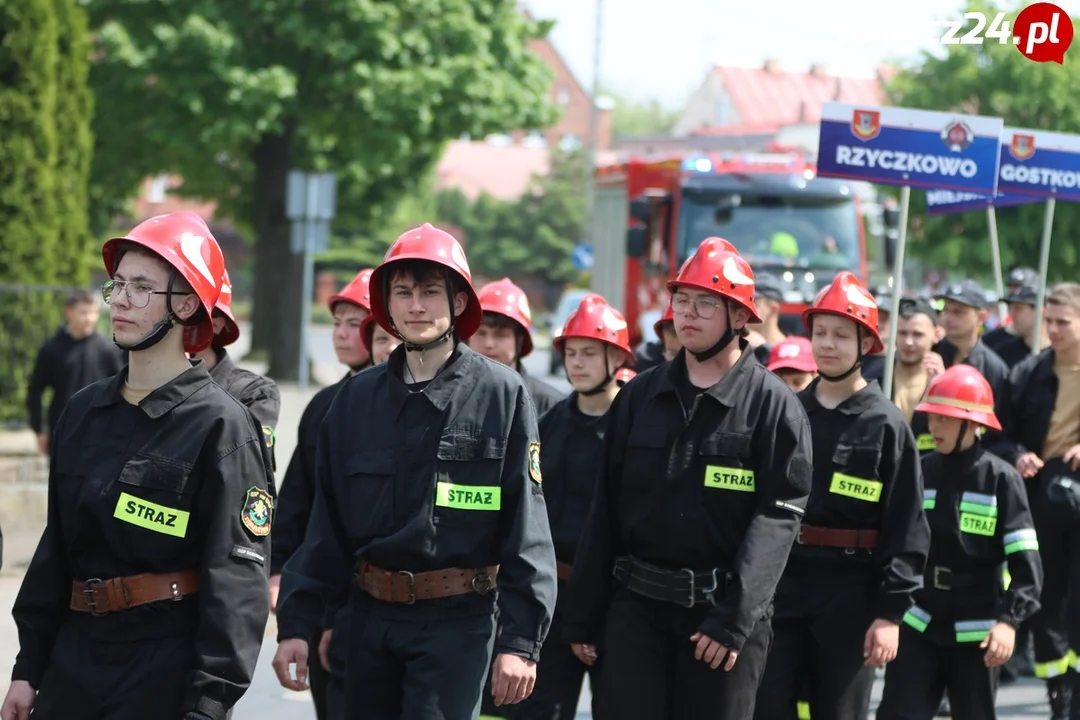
535 139
569 142
564 95
722 110
500 140
157 190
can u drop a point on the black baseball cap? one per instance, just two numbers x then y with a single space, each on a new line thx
1023 276
968 293
768 286
1025 294
918 306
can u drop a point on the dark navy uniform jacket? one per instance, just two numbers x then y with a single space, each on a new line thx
257 393
443 477
179 481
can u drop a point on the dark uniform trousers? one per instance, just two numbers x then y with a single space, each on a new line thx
923 670
649 671
1055 629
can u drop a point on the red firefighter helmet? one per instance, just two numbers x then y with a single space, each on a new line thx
183 240
594 319
716 266
792 353
503 297
961 392
845 296
429 243
367 332
357 292
624 375
231 332
668 316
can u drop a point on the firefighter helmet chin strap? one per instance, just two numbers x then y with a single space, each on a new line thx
722 343
605 383
161 327
447 334
960 436
858 360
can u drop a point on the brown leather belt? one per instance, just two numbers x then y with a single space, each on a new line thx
402 586
101 597
837 538
564 570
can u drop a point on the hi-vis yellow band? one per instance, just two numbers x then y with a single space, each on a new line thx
727 478
978 524
925 441
468 497
858 488
151 516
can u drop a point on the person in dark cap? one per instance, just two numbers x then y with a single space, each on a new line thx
769 299
1012 341
873 366
962 315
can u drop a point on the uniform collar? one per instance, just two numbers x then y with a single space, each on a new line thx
964 458
462 363
731 387
857 404
224 367
164 398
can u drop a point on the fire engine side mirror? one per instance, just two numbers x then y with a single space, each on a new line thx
637 242
641 210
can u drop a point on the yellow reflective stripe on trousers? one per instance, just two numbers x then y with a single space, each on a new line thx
151 516
468 497
729 478
1057 667
804 710
854 487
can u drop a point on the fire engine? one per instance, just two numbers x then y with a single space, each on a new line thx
650 213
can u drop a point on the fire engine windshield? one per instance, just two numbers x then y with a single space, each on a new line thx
790 231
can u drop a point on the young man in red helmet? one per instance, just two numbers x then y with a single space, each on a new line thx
595 345
504 336
861 550
963 626
428 494
349 308
705 473
257 393
147 594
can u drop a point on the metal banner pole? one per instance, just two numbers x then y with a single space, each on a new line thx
1044 266
995 249
897 289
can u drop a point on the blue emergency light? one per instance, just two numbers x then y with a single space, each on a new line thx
698 164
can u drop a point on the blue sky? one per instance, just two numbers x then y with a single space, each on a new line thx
663 50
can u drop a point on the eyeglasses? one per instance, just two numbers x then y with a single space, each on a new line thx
704 307
138 294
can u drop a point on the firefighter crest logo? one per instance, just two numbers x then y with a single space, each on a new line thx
534 462
257 511
1022 146
866 124
957 136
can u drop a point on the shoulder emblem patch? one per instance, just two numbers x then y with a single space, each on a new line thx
268 435
257 512
534 462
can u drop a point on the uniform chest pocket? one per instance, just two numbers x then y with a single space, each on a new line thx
645 460
855 472
368 479
726 461
468 483
155 495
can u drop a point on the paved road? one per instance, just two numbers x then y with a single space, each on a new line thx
266 700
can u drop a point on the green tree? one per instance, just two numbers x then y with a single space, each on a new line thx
231 96
632 117
993 79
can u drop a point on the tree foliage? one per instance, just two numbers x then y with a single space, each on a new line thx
44 152
231 96
631 117
994 79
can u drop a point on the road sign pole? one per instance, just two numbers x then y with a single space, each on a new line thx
995 249
305 304
897 289
1044 266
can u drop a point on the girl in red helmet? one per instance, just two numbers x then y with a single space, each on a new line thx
146 597
963 625
861 550
703 479
595 345
428 492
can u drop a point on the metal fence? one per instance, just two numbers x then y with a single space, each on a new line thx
29 315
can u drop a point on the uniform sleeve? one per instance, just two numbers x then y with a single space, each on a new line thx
319 571
527 576
904 536
1021 547
263 399
590 588
297 494
42 603
997 374
234 593
39 380
782 481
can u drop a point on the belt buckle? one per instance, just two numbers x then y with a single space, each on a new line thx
412 586
693 587
798 535
941 577
482 583
90 587
709 593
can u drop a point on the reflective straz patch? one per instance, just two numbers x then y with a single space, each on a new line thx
258 508
151 516
534 462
